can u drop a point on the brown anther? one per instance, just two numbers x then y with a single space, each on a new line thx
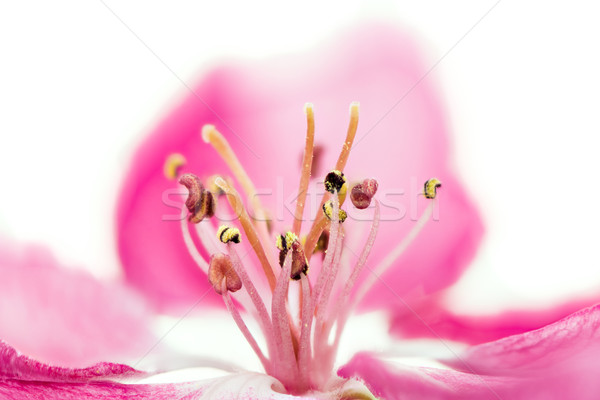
370 186
323 241
362 193
221 267
299 261
200 202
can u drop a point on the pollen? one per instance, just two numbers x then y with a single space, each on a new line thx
221 267
173 165
335 181
328 211
430 188
200 202
284 242
228 234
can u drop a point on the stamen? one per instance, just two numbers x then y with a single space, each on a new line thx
306 168
320 220
236 203
393 255
228 234
343 158
173 165
324 273
200 202
331 275
299 262
242 326
343 298
304 350
211 135
284 242
290 243
221 272
281 327
328 211
430 188
189 243
362 193
263 314
335 181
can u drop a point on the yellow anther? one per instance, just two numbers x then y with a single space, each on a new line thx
228 234
328 211
430 188
173 165
284 242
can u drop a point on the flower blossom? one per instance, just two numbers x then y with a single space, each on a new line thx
300 271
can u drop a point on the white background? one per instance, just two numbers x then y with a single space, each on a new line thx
78 90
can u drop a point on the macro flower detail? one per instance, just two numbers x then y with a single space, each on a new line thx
276 258
301 353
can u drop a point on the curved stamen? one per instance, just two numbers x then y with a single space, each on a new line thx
263 314
306 168
320 220
236 203
189 243
304 353
281 326
393 255
211 135
242 326
333 241
338 314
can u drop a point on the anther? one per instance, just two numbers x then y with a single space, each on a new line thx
200 202
322 243
289 242
173 165
284 242
335 182
328 211
228 234
430 188
221 267
362 193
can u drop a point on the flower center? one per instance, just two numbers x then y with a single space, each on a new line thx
301 342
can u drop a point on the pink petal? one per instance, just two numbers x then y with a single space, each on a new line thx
65 316
555 362
24 378
258 107
432 319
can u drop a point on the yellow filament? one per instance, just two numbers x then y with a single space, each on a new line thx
236 203
211 135
321 220
306 167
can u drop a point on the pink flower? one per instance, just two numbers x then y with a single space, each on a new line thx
177 265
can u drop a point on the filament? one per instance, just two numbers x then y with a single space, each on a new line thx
306 168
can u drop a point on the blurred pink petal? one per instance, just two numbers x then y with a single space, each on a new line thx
435 320
65 316
402 141
556 362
